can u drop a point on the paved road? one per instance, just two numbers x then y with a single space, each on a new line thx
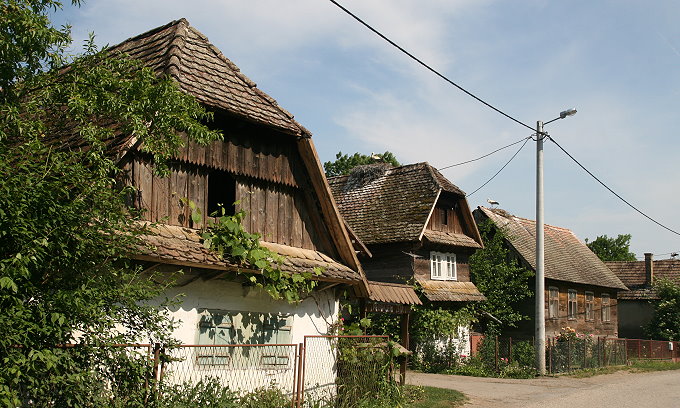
659 389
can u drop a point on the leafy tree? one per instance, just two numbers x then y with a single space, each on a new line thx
665 323
612 249
66 232
343 163
500 278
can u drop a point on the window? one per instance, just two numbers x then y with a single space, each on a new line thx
553 302
221 190
590 306
606 307
572 305
443 266
217 328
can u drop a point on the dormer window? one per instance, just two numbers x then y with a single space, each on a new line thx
443 266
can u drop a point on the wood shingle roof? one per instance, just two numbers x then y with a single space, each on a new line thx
634 276
200 69
566 257
183 246
389 204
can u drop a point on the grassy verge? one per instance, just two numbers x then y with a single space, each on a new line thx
638 366
431 397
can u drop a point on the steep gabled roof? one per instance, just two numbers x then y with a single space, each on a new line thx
634 276
182 52
390 204
566 257
201 70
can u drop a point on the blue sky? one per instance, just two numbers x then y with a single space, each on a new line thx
617 62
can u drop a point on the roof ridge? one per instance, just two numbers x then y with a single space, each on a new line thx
151 32
527 219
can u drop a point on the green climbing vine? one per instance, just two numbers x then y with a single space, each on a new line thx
226 236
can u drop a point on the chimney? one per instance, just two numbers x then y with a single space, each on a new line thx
649 269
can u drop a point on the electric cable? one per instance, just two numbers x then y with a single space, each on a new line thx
610 190
434 71
501 169
481 157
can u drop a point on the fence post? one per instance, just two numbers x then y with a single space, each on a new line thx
510 351
299 388
156 360
639 348
551 345
496 353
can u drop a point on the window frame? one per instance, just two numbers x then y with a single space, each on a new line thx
589 300
553 300
572 304
271 330
606 307
445 264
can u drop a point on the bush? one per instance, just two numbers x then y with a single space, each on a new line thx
205 393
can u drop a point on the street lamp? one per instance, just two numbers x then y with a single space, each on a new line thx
540 244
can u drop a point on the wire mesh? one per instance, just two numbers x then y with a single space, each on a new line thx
242 368
342 371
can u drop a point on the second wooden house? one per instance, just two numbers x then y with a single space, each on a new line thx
417 225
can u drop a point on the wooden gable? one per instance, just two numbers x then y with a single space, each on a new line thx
262 172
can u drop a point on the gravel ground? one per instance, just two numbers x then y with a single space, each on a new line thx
622 389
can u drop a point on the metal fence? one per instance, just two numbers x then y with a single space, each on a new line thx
568 353
243 368
565 355
329 371
341 371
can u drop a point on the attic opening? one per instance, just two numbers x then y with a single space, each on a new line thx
221 191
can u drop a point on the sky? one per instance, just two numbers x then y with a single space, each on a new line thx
617 62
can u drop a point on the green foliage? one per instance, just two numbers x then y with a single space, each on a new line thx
665 323
231 241
264 397
205 393
500 278
343 163
66 231
612 249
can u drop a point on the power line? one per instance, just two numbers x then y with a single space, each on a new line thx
434 71
481 157
612 191
501 169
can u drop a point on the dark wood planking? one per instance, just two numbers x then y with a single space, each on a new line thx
271 214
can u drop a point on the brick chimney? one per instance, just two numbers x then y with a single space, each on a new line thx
649 269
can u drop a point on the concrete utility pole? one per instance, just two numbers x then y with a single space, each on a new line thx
540 245
540 254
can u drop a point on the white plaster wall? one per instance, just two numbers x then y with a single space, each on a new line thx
312 316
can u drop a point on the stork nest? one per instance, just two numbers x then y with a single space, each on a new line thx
366 174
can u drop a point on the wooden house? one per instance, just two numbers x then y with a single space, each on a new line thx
416 224
635 305
580 291
268 166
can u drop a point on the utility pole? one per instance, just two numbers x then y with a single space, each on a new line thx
540 244
540 254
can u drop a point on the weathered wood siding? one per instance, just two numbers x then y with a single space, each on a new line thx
390 263
269 183
447 219
580 324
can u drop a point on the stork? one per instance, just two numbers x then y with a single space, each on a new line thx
492 202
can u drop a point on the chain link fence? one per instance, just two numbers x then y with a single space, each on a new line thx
343 371
242 368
